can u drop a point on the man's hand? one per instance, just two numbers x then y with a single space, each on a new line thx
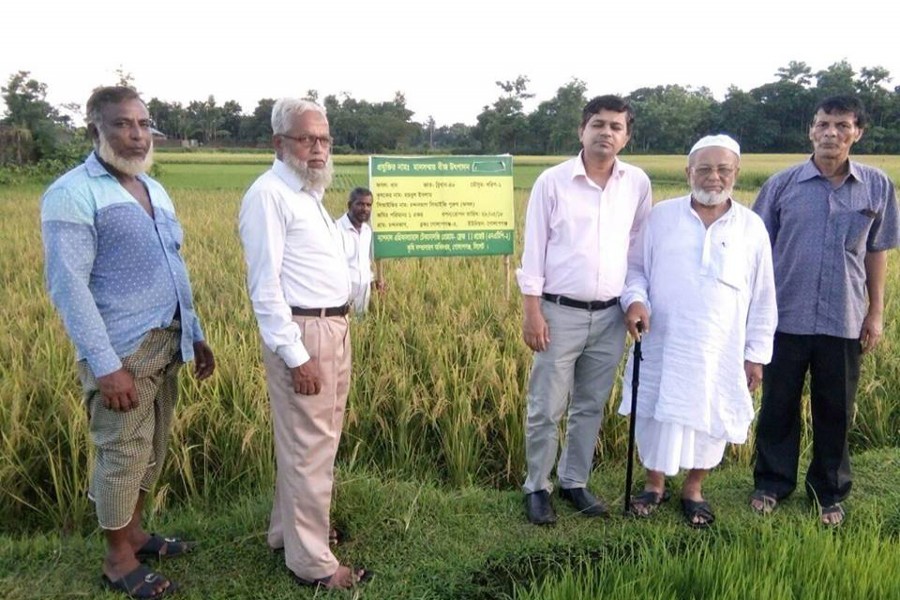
871 332
306 378
535 330
204 362
380 285
637 313
118 391
754 372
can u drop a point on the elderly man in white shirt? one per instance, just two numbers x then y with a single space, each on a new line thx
299 286
354 224
703 270
582 217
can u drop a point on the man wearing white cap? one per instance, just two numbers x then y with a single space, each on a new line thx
703 269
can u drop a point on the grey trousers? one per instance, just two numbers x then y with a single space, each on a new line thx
576 370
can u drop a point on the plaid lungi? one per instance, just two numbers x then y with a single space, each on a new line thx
131 446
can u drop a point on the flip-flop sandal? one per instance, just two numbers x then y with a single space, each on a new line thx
160 547
767 500
834 509
693 509
140 583
362 576
649 501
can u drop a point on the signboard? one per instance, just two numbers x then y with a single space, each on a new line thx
442 205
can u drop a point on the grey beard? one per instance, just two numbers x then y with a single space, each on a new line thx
129 166
311 178
710 198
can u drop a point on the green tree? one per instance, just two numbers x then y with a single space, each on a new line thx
33 127
256 129
503 126
741 116
837 79
554 124
670 118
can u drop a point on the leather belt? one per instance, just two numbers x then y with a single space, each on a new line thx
333 311
593 305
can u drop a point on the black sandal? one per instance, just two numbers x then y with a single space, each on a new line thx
647 500
140 583
694 509
767 501
834 509
160 547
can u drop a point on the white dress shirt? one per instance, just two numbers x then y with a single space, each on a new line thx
295 257
711 293
358 246
577 234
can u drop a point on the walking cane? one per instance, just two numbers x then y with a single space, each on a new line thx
635 377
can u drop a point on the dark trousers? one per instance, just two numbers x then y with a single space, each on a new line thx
833 364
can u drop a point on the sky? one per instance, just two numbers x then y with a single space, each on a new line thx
444 56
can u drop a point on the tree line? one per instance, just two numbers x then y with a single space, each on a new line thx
770 118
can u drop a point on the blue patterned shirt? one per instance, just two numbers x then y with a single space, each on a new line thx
113 272
820 236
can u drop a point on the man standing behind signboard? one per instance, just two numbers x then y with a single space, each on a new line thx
354 225
583 215
831 222
299 286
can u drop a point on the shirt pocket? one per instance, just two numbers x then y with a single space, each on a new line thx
173 231
853 227
730 260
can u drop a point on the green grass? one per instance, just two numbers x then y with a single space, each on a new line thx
428 541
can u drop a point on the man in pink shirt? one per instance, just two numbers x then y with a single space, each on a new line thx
583 215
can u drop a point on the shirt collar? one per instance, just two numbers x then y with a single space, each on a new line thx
811 171
345 222
293 181
579 170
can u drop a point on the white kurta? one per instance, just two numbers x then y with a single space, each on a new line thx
711 294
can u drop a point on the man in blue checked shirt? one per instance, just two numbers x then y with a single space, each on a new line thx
115 274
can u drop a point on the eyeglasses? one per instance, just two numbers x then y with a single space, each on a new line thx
722 171
308 141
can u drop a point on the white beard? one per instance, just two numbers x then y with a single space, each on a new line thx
129 166
711 198
311 178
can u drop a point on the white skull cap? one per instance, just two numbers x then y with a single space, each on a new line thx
718 141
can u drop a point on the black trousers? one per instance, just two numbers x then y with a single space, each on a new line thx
833 365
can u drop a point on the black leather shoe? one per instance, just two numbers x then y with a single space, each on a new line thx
539 509
584 502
